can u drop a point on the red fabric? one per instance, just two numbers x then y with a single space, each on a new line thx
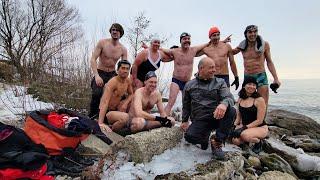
10 174
52 141
56 120
213 30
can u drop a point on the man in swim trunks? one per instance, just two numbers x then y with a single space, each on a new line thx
183 66
221 52
139 117
109 51
114 96
255 52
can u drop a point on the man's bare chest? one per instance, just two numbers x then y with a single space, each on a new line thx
113 52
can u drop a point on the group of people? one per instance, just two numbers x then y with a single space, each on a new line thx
122 102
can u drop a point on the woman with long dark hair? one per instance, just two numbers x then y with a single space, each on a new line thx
251 111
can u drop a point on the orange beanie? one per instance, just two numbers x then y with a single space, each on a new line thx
213 30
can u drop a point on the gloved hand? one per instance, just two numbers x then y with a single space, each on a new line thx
236 82
274 87
165 122
237 132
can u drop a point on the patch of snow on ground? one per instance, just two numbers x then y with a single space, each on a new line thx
15 101
183 157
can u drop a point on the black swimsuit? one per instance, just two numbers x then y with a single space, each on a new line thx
249 114
148 65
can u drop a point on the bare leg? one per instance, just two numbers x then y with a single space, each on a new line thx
264 92
117 119
254 134
140 124
174 90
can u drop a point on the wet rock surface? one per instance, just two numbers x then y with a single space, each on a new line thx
297 123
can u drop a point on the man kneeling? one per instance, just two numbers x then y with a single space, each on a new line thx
208 102
139 117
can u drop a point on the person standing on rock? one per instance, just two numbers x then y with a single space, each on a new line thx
183 64
117 96
109 51
221 53
250 124
139 117
208 103
147 60
255 52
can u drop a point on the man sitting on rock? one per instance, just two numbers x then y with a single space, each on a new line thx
139 117
207 101
117 95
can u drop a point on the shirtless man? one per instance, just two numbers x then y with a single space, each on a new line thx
109 51
114 96
220 52
139 117
183 66
255 52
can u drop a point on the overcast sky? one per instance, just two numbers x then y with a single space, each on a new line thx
290 26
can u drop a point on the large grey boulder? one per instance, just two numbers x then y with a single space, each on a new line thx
275 163
297 123
278 132
100 147
144 145
303 164
304 142
276 175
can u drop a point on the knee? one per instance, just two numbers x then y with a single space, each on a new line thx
192 138
137 124
245 136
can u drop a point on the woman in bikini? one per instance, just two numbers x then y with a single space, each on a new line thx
250 125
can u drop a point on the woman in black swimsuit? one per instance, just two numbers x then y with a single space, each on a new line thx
250 125
147 60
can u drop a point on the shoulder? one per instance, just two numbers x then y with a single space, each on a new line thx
123 48
157 93
128 81
143 53
190 83
102 42
227 45
267 45
112 82
259 101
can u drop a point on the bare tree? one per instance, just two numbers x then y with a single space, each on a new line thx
137 33
18 29
32 36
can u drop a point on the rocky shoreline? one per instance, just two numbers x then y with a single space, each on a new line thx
290 152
